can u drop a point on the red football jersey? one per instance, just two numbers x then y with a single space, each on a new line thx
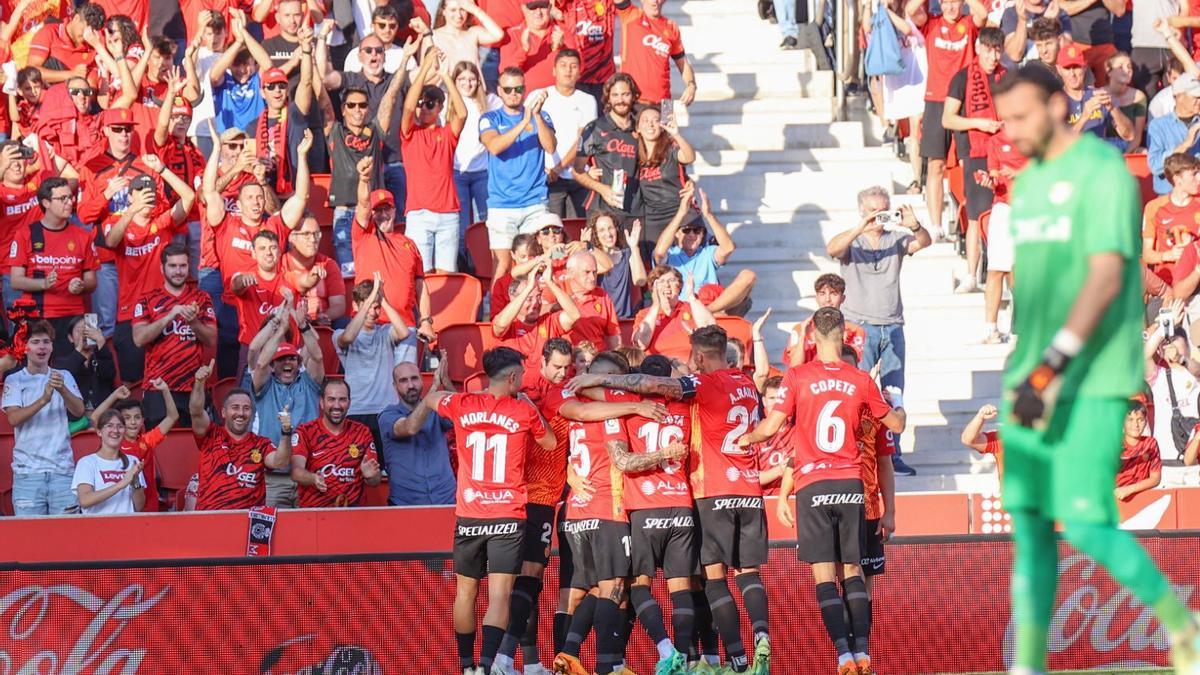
234 243
176 354
592 21
231 470
589 458
597 319
69 251
137 257
1139 461
804 337
208 233
20 210
255 302
493 437
671 336
143 449
774 452
950 48
647 48
665 485
546 472
724 407
337 458
827 402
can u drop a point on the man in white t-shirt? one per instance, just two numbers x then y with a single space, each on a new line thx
201 54
38 401
570 110
366 348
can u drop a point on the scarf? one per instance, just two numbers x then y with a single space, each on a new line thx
979 104
262 529
279 153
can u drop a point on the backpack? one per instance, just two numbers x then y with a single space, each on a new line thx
883 49
1181 426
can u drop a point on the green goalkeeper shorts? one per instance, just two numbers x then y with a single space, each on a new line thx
1068 472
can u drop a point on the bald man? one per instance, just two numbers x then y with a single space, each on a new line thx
597 321
415 453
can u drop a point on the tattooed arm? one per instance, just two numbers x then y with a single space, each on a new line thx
647 385
633 462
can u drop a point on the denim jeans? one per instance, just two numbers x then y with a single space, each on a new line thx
395 182
43 493
104 298
472 191
227 328
489 64
785 12
343 250
885 344
436 236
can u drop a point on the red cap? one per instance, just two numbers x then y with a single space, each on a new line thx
114 116
382 197
180 106
274 75
1071 56
285 350
709 292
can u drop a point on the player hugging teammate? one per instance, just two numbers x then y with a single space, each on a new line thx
663 474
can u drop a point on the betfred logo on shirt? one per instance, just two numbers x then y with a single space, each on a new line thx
948 44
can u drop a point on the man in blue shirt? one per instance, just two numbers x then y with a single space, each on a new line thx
685 247
1177 132
517 136
415 452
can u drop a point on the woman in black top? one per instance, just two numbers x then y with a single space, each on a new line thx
662 155
624 281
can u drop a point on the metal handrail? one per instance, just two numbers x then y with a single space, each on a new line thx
845 48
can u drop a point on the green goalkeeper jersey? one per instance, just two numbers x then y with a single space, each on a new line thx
1064 210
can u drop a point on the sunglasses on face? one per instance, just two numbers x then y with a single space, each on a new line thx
235 146
372 50
356 105
86 91
519 89
692 230
386 25
427 104
276 86
538 4
122 129
550 230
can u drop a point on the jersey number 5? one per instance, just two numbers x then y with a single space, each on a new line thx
481 444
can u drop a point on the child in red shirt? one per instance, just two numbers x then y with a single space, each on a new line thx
138 442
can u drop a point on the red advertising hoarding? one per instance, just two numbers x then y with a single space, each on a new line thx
942 607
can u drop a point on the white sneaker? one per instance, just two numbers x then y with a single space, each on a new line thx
538 669
967 285
498 669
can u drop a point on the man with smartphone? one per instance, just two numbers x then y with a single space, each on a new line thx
871 255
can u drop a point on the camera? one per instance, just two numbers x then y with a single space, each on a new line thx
24 151
889 218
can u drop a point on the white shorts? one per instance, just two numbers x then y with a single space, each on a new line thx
999 240
505 224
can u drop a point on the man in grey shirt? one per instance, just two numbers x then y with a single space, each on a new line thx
871 255
365 349
1150 53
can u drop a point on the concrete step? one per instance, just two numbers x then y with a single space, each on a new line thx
778 136
713 86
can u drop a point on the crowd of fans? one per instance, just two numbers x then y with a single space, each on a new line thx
163 232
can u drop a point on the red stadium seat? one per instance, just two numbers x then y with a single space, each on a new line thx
627 326
737 327
954 178
1140 168
454 298
480 251
318 201
177 458
426 382
221 389
5 428
468 342
573 228
84 443
476 382
333 365
6 474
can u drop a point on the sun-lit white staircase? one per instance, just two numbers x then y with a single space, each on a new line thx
785 175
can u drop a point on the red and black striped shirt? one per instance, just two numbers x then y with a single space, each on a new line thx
176 354
337 458
232 473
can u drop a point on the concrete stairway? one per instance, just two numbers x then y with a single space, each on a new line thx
785 176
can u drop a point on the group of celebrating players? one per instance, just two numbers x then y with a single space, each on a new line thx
659 468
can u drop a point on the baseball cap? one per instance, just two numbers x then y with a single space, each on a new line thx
285 350
180 106
1071 56
274 76
546 219
115 116
382 197
1186 84
232 133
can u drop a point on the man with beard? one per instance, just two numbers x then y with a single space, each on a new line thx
174 323
415 452
233 460
335 457
278 383
282 123
611 146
